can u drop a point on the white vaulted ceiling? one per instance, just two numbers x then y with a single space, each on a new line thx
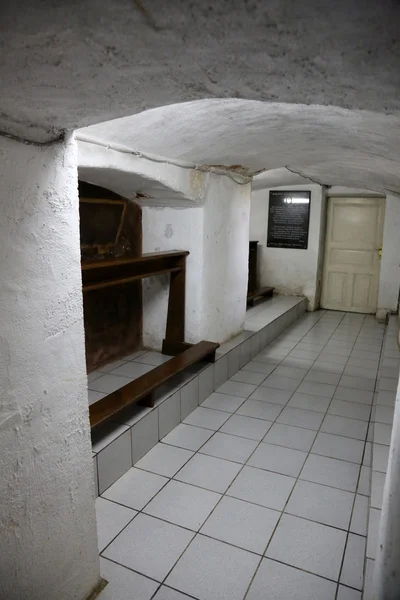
312 86
356 148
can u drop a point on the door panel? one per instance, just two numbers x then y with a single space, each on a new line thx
351 264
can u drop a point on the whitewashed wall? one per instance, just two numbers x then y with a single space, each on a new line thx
48 539
389 281
290 271
300 271
217 235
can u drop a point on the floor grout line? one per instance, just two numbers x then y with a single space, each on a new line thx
259 442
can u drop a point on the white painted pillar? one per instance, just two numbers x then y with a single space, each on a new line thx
226 257
48 542
387 563
217 237
167 229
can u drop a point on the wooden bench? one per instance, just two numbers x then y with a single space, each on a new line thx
265 291
142 388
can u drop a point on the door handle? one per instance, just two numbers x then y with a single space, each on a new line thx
379 252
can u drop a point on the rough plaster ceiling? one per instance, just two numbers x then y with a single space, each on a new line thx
68 65
330 145
65 65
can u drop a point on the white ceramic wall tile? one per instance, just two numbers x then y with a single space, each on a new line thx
104 435
206 382
382 433
254 345
190 397
233 361
220 371
114 461
377 485
368 579
144 435
169 414
245 353
380 457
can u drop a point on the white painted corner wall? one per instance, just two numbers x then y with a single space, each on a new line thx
225 258
166 229
299 272
292 272
216 235
389 281
48 540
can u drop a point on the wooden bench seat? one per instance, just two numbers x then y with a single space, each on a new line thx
142 388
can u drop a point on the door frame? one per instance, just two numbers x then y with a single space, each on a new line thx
365 194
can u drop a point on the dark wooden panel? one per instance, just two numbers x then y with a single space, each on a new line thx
144 386
100 221
175 331
99 274
112 315
113 323
252 282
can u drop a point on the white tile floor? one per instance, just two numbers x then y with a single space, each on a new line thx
262 492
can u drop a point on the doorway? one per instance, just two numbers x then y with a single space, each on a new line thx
353 248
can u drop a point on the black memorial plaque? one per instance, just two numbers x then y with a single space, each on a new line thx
288 219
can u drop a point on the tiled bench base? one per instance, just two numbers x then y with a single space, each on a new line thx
121 443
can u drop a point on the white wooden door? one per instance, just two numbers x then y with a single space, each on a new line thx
353 247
